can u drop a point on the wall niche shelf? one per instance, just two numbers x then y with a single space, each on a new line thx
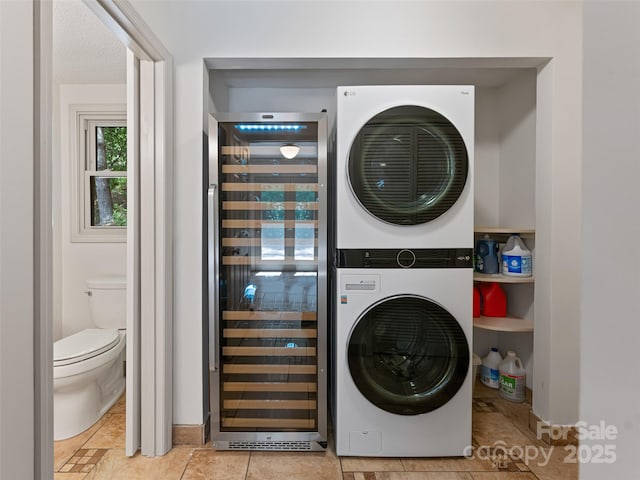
503 324
523 232
509 323
499 278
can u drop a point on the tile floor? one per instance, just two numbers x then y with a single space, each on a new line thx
505 449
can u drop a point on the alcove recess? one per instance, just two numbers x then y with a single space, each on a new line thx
505 136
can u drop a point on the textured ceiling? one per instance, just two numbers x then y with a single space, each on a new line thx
84 50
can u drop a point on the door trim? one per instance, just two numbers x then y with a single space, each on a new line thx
43 239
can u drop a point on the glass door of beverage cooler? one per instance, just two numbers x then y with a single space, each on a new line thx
267 281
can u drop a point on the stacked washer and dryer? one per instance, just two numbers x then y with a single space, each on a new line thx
403 280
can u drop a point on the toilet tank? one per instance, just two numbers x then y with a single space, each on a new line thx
108 301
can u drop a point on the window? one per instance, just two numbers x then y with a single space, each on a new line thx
106 174
101 193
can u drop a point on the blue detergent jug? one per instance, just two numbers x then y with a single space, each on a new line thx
487 256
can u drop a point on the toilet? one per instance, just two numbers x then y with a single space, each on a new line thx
88 366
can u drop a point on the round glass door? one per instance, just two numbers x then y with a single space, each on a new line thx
408 165
408 355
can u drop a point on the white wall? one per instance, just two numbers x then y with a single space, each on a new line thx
281 99
16 241
78 261
487 158
610 329
384 29
517 117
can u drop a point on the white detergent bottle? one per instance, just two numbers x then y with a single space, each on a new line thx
516 258
490 369
512 378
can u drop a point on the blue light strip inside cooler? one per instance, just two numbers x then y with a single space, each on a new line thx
270 127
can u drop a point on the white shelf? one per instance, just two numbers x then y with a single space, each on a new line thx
499 278
503 324
523 232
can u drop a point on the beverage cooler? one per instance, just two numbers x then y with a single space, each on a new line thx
267 273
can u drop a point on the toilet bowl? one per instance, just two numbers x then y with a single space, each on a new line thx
88 366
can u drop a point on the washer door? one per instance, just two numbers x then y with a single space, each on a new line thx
408 165
408 355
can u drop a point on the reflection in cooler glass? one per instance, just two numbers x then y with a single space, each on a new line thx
304 241
272 241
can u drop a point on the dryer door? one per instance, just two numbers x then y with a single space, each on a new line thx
408 165
408 355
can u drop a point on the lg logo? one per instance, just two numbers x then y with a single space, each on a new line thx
349 93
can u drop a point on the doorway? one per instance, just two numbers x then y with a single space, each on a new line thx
89 190
148 99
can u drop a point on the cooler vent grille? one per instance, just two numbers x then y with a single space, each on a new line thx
271 445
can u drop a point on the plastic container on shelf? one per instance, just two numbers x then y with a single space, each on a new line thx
490 369
512 378
493 300
487 256
516 258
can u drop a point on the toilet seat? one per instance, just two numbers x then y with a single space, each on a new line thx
83 345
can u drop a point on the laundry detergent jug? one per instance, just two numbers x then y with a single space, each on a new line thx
487 255
490 369
493 300
516 258
512 378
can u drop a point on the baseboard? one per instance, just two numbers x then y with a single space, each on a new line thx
556 435
191 434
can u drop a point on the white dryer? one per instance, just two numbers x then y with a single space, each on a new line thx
403 336
404 166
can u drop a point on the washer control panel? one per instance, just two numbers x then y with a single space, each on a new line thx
405 258
368 283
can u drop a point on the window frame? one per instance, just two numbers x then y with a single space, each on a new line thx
85 118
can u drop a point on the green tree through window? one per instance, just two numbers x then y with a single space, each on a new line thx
109 193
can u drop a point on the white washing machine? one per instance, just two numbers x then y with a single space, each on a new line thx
404 166
403 336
